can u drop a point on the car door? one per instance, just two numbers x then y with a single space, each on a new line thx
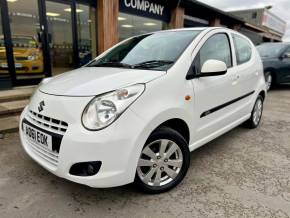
283 74
213 94
247 71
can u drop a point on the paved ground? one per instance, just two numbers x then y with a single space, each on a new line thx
245 173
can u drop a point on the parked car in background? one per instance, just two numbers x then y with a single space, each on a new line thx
27 54
134 113
276 61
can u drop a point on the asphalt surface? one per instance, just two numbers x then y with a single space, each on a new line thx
245 173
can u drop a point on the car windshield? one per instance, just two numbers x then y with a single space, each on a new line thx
21 41
270 50
2 41
25 42
156 51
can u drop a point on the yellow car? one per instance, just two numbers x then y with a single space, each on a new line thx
28 56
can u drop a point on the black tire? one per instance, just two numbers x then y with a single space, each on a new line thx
174 136
270 80
250 123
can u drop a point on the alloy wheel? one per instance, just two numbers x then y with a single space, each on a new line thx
257 113
269 80
160 162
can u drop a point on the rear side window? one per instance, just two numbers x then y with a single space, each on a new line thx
243 49
216 47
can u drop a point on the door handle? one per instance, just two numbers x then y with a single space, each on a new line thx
235 78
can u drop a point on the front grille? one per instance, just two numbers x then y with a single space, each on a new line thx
53 127
48 123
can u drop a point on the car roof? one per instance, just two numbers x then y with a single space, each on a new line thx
200 29
191 28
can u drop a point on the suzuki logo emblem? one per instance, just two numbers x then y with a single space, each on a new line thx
41 105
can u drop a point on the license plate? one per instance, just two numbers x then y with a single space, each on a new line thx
17 65
38 137
5 65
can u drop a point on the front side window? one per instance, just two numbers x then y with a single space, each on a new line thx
216 47
156 51
243 49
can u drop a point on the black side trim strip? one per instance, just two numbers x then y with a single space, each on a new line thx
225 105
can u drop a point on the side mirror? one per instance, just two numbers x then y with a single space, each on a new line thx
213 68
286 55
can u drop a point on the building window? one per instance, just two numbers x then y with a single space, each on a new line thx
86 27
25 31
3 60
131 25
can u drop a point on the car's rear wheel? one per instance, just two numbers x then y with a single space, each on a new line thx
256 114
163 162
269 80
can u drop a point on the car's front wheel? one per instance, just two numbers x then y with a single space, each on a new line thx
163 162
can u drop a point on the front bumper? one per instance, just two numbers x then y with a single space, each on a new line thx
26 67
118 146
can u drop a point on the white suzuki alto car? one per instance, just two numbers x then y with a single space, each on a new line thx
135 112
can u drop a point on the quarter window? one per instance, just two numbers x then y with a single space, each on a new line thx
243 49
216 47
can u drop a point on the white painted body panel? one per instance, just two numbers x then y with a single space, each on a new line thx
91 81
119 145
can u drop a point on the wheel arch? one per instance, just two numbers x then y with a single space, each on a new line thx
263 94
179 125
273 72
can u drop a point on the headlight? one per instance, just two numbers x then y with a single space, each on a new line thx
32 57
103 110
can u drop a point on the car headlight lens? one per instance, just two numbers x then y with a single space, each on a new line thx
32 57
103 110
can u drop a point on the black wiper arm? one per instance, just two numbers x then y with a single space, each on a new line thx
111 64
145 64
153 62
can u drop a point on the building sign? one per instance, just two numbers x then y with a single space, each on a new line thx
273 22
156 9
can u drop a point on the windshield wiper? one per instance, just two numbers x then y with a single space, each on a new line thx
151 63
145 64
111 64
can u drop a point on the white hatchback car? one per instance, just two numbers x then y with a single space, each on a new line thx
136 111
